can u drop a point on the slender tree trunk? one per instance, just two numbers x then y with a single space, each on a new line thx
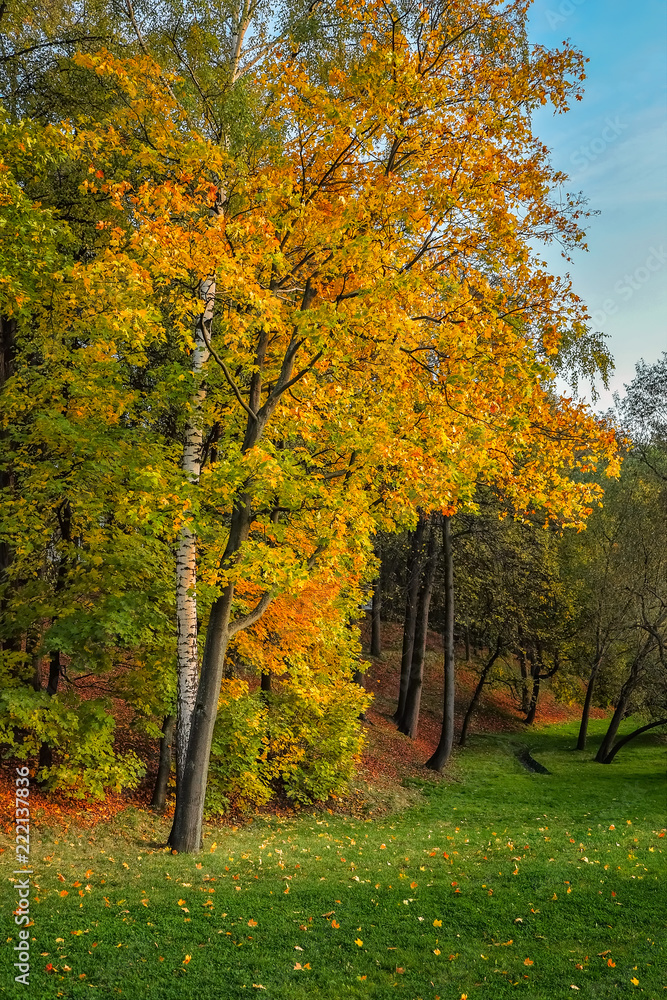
630 736
532 708
612 729
45 752
585 712
32 644
521 653
466 640
444 749
410 622
478 690
376 618
159 800
7 357
186 554
55 665
410 718
186 832
265 682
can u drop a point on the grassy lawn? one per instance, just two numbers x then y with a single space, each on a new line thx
496 883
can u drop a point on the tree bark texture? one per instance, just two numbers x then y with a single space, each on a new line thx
631 736
588 700
525 701
410 718
622 705
478 690
186 832
186 554
410 621
376 618
159 799
444 749
612 730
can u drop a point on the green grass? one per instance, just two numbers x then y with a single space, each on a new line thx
516 843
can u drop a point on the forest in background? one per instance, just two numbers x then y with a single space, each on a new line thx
275 338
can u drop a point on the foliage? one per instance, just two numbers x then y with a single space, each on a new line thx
237 775
314 739
81 734
362 208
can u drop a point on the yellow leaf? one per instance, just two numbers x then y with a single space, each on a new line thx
358 942
437 923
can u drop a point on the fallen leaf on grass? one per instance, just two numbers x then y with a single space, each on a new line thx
528 961
358 942
186 959
437 923
634 981
253 923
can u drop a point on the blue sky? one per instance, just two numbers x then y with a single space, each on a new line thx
613 145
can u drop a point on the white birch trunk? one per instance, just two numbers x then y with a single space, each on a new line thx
186 556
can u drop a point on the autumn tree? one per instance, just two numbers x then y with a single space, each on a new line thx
350 323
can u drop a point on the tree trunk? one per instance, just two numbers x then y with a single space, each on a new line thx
585 712
45 752
524 680
444 749
55 666
478 690
466 640
159 800
626 739
186 554
186 832
411 600
616 719
376 618
32 644
265 682
532 708
7 352
410 718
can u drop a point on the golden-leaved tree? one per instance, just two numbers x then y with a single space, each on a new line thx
353 323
